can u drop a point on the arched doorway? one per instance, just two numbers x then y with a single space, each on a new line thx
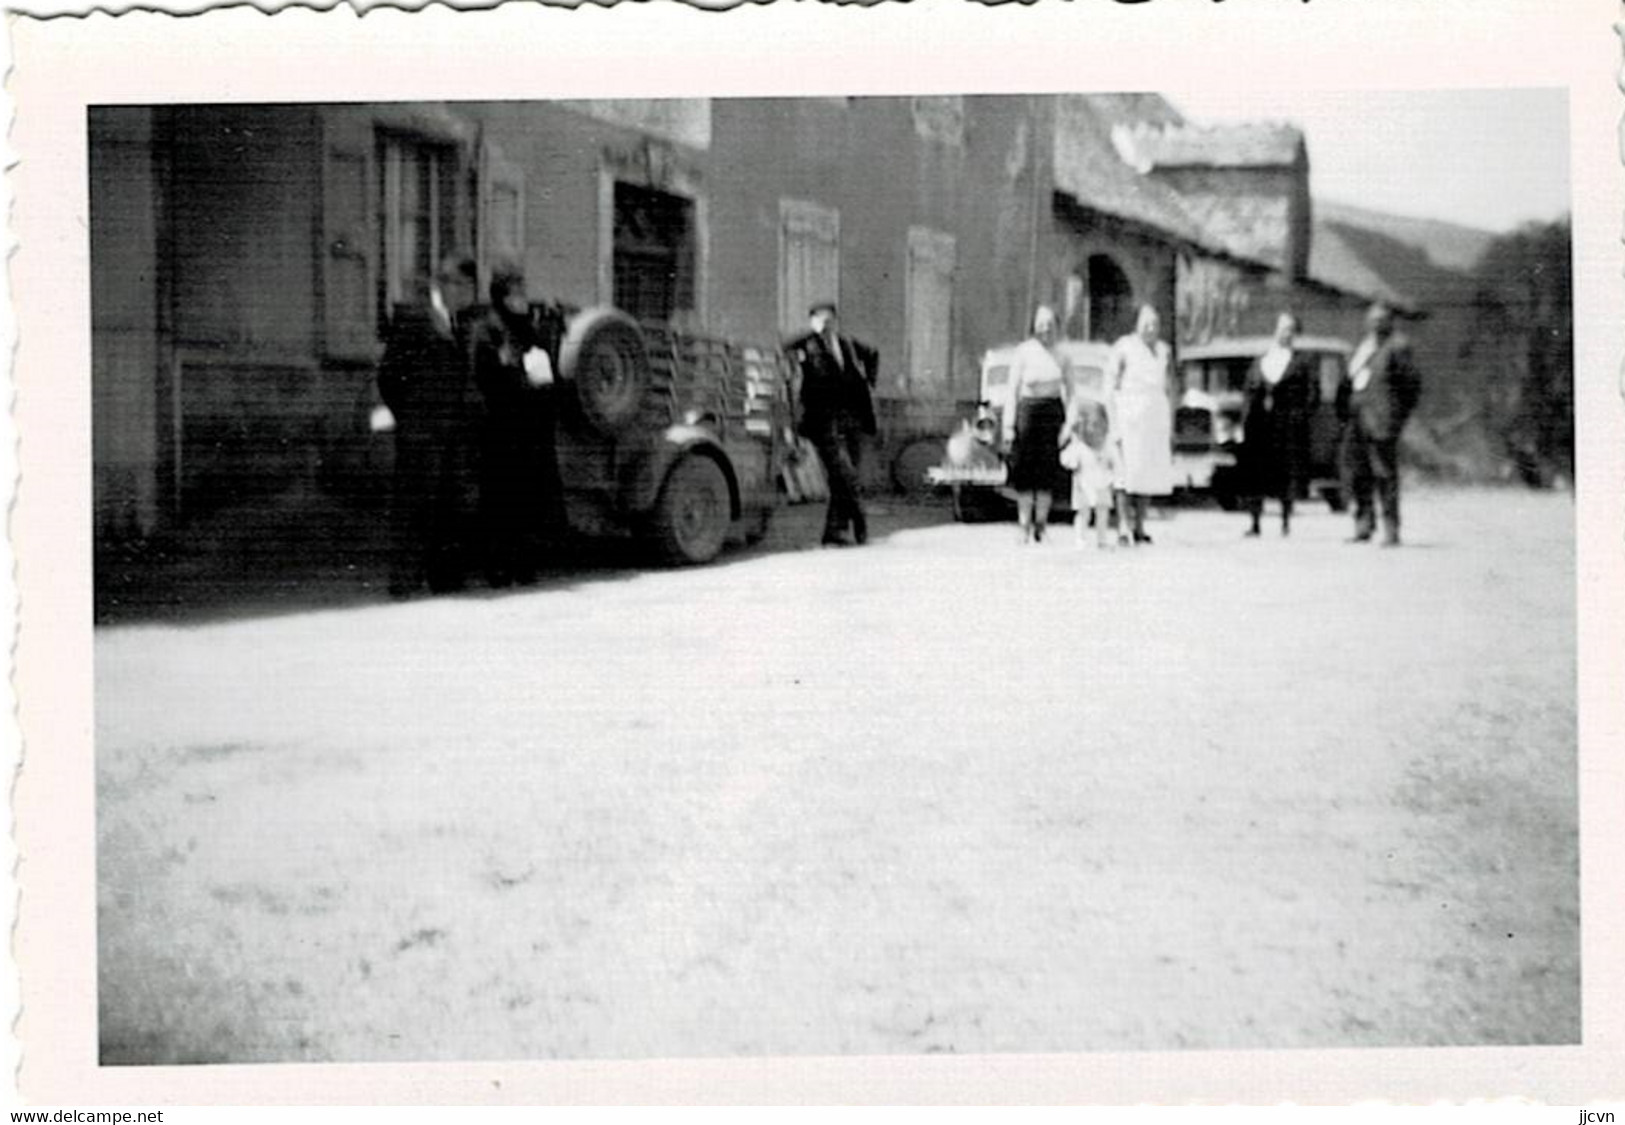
1111 299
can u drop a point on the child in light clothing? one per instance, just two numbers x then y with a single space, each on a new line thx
1088 442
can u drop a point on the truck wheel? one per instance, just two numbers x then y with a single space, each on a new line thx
692 516
606 363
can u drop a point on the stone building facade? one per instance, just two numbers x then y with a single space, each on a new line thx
244 257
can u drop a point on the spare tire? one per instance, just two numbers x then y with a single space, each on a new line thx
605 363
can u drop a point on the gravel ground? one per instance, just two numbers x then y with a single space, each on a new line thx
943 793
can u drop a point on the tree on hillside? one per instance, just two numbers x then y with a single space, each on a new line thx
1523 340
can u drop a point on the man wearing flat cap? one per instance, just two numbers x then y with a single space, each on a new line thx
836 413
1374 401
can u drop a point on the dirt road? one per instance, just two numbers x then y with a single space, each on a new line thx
942 793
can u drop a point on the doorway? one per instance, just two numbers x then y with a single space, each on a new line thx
1111 299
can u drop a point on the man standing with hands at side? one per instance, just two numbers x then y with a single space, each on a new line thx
1374 401
424 380
836 412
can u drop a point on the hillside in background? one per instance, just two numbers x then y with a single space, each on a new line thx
1435 267
1447 245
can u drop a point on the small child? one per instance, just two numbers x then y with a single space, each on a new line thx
1087 444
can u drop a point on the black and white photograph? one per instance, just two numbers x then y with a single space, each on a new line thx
1182 792
932 572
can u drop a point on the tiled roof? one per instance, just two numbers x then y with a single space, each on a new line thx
1088 169
1105 145
1252 144
1249 226
1448 245
1135 109
1334 261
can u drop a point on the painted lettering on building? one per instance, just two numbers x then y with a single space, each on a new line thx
1210 299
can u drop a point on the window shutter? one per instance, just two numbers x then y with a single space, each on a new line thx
349 247
930 300
809 260
501 212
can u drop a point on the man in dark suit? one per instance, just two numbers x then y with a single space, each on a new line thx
424 379
837 411
1374 401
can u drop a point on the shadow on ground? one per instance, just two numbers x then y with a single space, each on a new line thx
292 557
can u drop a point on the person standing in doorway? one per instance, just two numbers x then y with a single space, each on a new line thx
424 380
837 413
1283 390
1138 375
1033 421
1374 401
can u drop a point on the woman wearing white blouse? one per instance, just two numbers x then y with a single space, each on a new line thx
1032 424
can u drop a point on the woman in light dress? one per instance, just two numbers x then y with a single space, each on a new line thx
1138 375
1032 423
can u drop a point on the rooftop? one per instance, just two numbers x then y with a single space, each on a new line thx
1334 261
1253 144
1086 169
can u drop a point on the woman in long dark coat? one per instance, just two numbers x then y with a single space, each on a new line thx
1283 390
521 500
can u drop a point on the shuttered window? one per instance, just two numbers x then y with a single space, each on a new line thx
930 299
809 260
419 197
499 214
349 245
395 202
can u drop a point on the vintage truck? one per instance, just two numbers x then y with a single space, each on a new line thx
664 435
668 435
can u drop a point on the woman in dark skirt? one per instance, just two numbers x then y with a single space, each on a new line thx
1283 390
1033 422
